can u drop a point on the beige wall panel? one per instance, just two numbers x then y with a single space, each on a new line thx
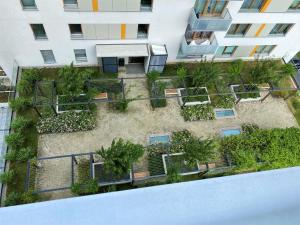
243 51
119 5
252 30
279 5
133 5
131 31
88 31
102 31
115 31
105 5
85 5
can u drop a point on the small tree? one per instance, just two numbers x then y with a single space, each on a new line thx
236 68
120 156
27 82
73 80
173 175
152 76
7 177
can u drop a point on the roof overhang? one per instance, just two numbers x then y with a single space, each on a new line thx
122 50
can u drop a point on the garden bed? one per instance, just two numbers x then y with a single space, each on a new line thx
177 160
158 91
105 178
188 97
249 94
198 112
63 99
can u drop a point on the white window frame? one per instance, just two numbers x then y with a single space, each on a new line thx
80 59
44 53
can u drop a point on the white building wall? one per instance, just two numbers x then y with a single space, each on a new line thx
168 22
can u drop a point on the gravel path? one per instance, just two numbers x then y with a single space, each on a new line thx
141 121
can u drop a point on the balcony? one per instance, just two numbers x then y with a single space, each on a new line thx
197 49
207 23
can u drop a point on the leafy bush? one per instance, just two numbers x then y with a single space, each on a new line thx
173 175
249 128
236 68
20 104
73 80
67 122
16 198
276 148
296 103
205 73
21 155
121 105
27 82
15 140
198 112
7 177
247 91
120 156
87 187
20 123
65 99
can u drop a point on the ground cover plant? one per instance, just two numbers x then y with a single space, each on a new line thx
197 94
198 112
247 91
156 90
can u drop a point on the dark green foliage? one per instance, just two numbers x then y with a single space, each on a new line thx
67 122
249 128
73 80
205 74
20 123
158 92
121 105
16 198
201 150
296 103
65 99
194 95
21 155
173 174
153 76
86 187
26 84
247 91
7 177
236 68
223 101
181 72
120 156
15 140
276 148
20 104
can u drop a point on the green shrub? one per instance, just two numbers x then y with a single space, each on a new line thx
15 140
7 177
67 122
16 198
27 82
296 103
223 101
158 92
87 187
20 104
21 155
173 175
120 156
20 123
249 128
198 112
121 105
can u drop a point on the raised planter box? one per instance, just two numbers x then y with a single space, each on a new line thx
66 108
253 97
184 168
196 100
101 96
225 113
105 178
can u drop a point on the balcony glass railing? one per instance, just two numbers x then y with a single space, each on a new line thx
206 23
196 49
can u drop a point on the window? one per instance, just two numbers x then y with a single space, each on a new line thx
264 49
38 31
146 5
210 7
76 31
238 29
252 4
28 4
281 29
70 4
143 31
80 55
295 5
229 50
48 56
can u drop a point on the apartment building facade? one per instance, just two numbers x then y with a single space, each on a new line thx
114 33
